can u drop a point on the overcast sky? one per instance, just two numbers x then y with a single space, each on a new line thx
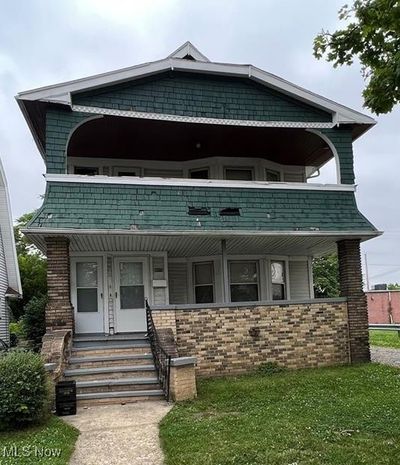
45 42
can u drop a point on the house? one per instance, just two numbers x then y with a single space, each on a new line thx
10 282
383 306
185 182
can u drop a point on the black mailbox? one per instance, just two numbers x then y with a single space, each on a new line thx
66 398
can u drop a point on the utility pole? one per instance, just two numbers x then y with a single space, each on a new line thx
366 271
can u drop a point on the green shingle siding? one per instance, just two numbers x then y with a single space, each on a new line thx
187 94
342 139
104 206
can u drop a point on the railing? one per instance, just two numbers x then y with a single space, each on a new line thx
162 359
386 327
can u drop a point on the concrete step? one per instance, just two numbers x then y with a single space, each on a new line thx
91 351
120 384
110 337
113 372
110 342
122 397
98 361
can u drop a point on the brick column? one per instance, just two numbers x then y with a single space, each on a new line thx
350 276
59 310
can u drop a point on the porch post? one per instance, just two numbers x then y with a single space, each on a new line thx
224 271
350 276
59 310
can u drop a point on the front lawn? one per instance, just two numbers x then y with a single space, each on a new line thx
50 444
342 416
378 337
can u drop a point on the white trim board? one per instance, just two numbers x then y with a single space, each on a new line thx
200 120
150 181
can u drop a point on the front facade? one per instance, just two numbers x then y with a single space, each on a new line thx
10 282
186 183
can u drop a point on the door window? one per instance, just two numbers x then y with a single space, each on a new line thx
131 285
87 287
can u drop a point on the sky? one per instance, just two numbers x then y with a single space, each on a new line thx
44 42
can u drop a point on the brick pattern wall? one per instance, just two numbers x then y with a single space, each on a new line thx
351 287
232 340
183 383
59 310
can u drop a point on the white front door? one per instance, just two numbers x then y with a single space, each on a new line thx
131 290
87 294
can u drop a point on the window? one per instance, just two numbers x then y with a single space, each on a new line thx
131 285
86 287
272 175
202 173
86 170
239 174
126 171
278 280
203 282
243 280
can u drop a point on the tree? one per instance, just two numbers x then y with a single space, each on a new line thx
394 287
326 276
373 36
32 266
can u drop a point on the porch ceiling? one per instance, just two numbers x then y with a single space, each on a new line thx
191 246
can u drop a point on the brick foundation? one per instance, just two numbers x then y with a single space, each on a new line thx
59 310
351 287
236 339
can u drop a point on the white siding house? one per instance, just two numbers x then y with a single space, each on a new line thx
10 282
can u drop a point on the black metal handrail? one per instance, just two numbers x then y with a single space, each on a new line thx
162 359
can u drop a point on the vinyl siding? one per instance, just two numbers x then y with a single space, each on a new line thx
299 280
4 311
178 285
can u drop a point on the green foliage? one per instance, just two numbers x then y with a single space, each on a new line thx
33 320
394 287
24 388
55 435
372 35
270 368
326 276
332 416
16 332
32 266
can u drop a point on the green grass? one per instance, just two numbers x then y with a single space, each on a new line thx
29 443
378 337
343 416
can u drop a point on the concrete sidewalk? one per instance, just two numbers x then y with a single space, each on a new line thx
119 434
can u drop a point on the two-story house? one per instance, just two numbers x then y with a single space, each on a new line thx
185 182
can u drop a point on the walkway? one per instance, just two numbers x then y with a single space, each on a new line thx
119 434
385 355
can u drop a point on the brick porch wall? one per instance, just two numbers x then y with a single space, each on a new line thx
236 339
351 287
59 310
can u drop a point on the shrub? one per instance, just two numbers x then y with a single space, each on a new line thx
34 320
24 389
16 332
269 368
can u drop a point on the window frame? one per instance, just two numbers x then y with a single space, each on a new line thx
94 168
194 285
270 170
258 269
240 168
193 170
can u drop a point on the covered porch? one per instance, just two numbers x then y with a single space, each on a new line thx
99 282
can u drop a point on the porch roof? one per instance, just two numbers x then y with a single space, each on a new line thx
198 208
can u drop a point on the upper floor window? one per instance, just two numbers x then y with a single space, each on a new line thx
278 280
126 171
243 281
86 170
239 174
203 282
201 173
272 175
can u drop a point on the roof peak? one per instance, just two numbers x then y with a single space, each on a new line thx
189 52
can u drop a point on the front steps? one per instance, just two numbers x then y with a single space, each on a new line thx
113 369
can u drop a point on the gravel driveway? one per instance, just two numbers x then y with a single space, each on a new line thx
385 355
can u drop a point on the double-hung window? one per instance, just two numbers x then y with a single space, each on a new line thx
243 281
203 280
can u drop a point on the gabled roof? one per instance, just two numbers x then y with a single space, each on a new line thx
7 236
186 58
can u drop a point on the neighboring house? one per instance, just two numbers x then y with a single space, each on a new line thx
383 306
10 282
185 182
